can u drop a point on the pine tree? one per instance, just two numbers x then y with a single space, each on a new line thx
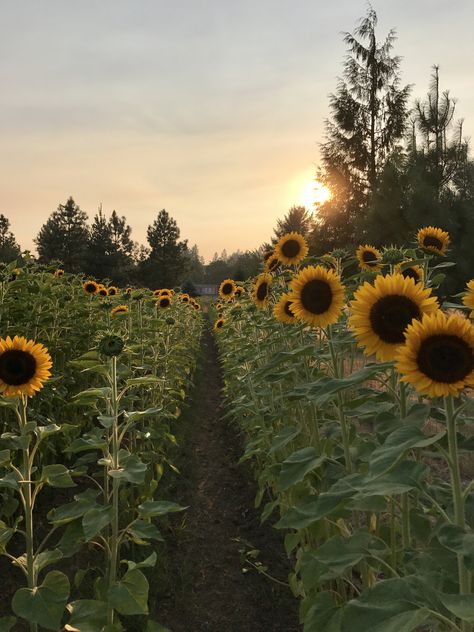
9 249
298 219
64 237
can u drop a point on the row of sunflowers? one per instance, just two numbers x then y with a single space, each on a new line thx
351 380
92 383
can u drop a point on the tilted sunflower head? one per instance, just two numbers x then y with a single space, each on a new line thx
282 310
128 290
261 289
291 248
433 240
369 258
438 356
120 309
112 290
239 290
382 311
59 272
267 254
219 324
24 366
317 296
412 271
272 263
227 289
111 345
164 301
196 306
468 298
102 291
184 298
91 287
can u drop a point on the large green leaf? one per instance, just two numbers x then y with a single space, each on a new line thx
130 595
323 614
95 519
56 475
87 615
459 541
155 508
394 616
44 605
131 469
297 465
6 623
313 509
461 606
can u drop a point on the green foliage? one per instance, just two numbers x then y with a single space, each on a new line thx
9 249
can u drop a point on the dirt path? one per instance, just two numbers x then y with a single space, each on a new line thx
213 594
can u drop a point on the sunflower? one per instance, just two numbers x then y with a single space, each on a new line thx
272 263
261 289
468 298
291 248
91 287
438 356
59 272
157 293
196 306
239 290
267 254
24 366
219 307
382 311
414 271
164 301
433 240
184 298
120 309
282 311
369 258
102 291
317 296
112 290
219 324
227 289
128 290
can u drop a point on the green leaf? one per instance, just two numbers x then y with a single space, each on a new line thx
132 469
147 379
94 520
130 595
312 510
142 531
153 508
10 480
71 511
91 395
56 476
151 626
87 615
297 465
459 541
283 438
4 457
461 606
323 614
148 562
45 558
46 431
396 616
45 604
6 623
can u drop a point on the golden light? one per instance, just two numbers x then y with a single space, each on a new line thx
315 193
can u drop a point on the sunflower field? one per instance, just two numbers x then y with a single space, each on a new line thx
92 381
350 377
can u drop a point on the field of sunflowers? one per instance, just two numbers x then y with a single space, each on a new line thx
350 378
92 381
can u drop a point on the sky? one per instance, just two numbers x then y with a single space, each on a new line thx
212 109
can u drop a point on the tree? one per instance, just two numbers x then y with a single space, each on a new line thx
298 219
9 249
167 262
64 237
368 117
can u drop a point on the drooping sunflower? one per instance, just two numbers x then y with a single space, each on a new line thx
282 311
227 289
369 258
164 301
157 293
184 298
239 290
468 298
219 324
24 366
438 355
120 309
433 240
382 311
414 271
102 291
112 290
59 272
267 254
291 248
90 287
317 296
196 306
261 289
218 307
272 263
128 290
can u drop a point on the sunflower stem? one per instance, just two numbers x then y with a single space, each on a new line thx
340 404
114 538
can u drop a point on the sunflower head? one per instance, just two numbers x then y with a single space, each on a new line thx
382 311
392 255
102 291
91 287
219 324
468 298
120 309
282 311
272 263
261 289
291 248
112 290
227 289
164 301
184 298
438 356
128 290
317 296
239 290
196 306
59 272
433 240
219 307
411 271
369 258
24 366
111 345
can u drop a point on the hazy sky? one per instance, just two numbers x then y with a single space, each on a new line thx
212 109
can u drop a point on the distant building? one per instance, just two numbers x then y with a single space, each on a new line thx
207 289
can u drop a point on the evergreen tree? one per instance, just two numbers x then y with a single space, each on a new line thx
167 262
64 237
368 116
9 249
298 219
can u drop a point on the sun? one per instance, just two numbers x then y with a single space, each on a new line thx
315 192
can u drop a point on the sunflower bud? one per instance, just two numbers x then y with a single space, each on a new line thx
111 345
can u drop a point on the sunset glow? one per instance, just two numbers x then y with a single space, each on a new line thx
315 193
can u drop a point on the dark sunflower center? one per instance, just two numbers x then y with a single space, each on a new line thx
112 291
316 296
431 240
90 287
227 288
185 299
262 291
411 273
103 292
369 257
288 312
391 315
17 367
219 324
445 358
165 302
291 248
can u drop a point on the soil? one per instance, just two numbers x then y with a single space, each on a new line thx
214 589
